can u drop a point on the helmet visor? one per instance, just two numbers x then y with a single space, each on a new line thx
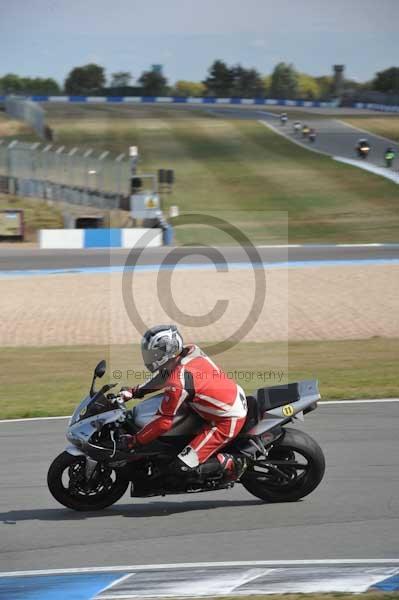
153 358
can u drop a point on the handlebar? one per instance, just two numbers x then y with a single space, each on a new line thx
116 399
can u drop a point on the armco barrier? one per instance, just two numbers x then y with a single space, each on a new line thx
177 100
100 238
374 106
205 100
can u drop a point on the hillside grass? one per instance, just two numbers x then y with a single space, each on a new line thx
239 170
49 381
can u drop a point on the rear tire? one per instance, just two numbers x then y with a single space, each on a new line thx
111 486
294 483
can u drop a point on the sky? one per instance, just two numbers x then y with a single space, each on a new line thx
47 38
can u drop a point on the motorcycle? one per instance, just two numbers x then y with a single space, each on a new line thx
282 464
363 151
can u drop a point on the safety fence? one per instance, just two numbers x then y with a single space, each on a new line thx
73 176
26 110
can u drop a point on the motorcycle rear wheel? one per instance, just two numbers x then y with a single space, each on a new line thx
75 494
293 469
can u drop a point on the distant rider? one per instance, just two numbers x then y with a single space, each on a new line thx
363 147
283 118
297 127
389 156
188 376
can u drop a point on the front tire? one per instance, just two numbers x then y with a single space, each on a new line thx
293 469
67 484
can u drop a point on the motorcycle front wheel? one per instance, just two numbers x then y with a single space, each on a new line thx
293 468
67 483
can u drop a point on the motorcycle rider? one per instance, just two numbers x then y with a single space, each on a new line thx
363 147
297 127
188 376
283 118
389 156
312 135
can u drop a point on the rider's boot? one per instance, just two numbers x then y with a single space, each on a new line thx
227 467
232 466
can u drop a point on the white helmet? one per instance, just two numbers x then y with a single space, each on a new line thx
159 345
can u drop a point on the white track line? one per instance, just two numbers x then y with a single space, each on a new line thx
321 403
232 564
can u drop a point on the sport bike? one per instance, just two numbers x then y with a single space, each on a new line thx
363 152
282 464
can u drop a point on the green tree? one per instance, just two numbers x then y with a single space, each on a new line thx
121 79
284 81
326 86
40 86
220 80
85 80
308 87
247 83
189 88
153 83
11 84
267 82
387 81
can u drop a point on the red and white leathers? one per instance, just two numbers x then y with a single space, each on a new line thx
217 399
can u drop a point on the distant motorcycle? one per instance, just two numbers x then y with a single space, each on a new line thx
363 149
282 464
312 136
389 157
296 127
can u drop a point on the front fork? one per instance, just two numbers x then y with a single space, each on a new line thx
91 464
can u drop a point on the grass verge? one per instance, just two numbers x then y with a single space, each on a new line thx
50 381
387 126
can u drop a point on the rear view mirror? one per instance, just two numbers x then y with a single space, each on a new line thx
100 369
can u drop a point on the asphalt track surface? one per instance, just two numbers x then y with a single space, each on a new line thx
353 514
336 138
15 259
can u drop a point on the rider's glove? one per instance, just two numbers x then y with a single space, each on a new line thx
127 442
128 393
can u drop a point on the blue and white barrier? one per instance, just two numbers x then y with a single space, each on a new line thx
203 100
177 100
72 239
374 106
